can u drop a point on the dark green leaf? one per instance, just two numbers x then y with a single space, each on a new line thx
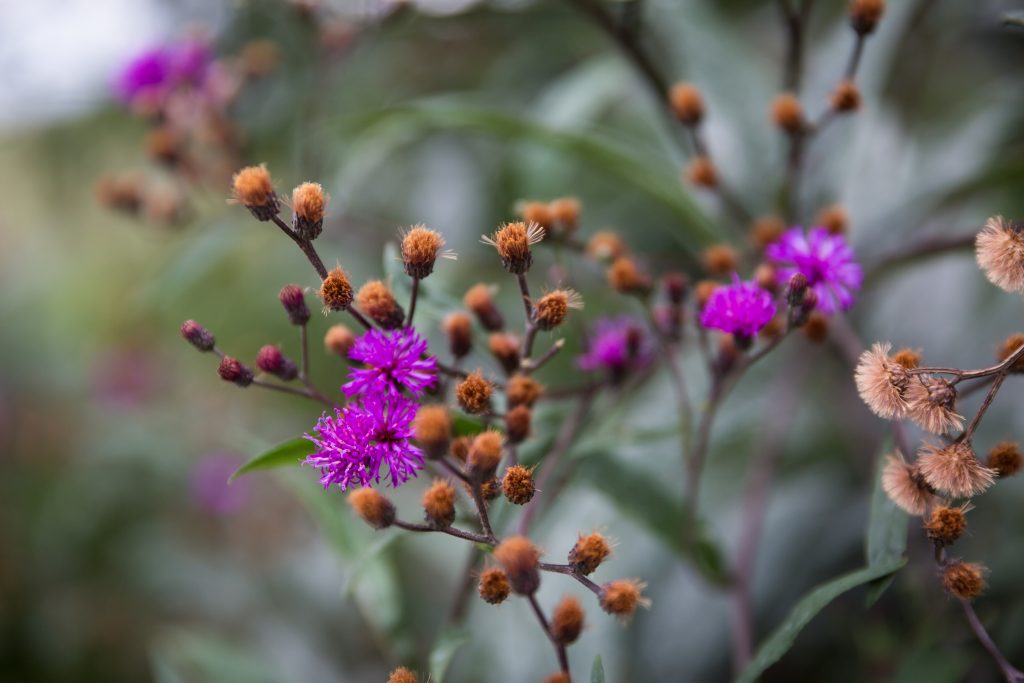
466 425
886 539
597 671
290 452
444 651
783 637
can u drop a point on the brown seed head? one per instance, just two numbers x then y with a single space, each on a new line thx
865 15
816 327
336 291
520 560
233 370
606 246
1010 346
846 97
164 145
702 173
433 429
766 275
565 213
703 291
376 301
834 219
720 259
420 248
905 486
589 552
622 597
504 346
687 103
375 509
537 212
999 250
766 230
517 424
439 504
946 524
553 308
931 403
339 339
253 189
490 489
458 328
513 242
309 203
494 586
625 276
954 469
479 299
523 390
788 113
403 675
965 580
907 357
882 383
460 447
1005 458
517 485
567 621
484 455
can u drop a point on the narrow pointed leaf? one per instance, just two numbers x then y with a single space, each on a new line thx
291 452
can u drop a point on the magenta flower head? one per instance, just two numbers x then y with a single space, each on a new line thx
617 345
826 260
740 309
353 445
155 71
394 361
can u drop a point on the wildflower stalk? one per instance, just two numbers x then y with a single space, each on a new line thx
305 245
451 531
569 571
563 659
795 21
530 366
414 294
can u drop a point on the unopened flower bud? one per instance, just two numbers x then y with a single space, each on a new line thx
676 286
439 504
339 339
378 303
553 308
484 455
520 559
294 301
687 103
588 553
336 291
517 485
796 289
372 507
622 597
517 423
567 621
253 189
233 370
505 348
197 335
432 429
459 330
846 97
865 15
494 587
420 248
702 173
965 580
403 675
479 299
309 203
513 242
788 113
271 360
720 259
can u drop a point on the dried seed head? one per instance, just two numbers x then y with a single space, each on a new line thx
336 291
687 103
882 383
589 552
946 524
1005 458
865 15
253 189
999 249
1010 346
834 219
720 259
432 428
403 675
513 242
788 113
537 212
622 597
421 247
197 335
294 301
606 246
625 276
766 275
523 390
271 360
494 586
815 327
954 469
233 370
517 424
459 329
702 173
703 292
484 455
565 214
965 580
376 301
905 486
517 485
164 145
479 299
372 507
339 339
309 203
766 230
520 560
439 504
567 621
505 348
553 308
490 489
460 447
908 358
930 404
846 97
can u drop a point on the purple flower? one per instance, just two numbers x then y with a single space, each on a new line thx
826 260
394 361
208 484
355 442
159 69
618 344
741 308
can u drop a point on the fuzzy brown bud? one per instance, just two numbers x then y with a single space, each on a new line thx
796 288
403 675
309 204
420 248
233 370
766 277
517 485
588 553
766 230
816 327
513 242
553 308
336 291
565 214
432 429
494 587
1010 346
523 390
164 145
908 358
703 291
567 621
520 559
505 348
460 447
480 301
622 597
1005 458
788 113
946 524
294 301
537 212
253 189
965 580
372 507
259 58
625 276
606 246
687 103
846 97
484 455
197 335
339 339
676 286
271 360
559 677
517 424
720 259
439 504
834 219
459 329
865 15
474 393
378 303
702 173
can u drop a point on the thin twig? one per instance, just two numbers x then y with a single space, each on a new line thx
412 300
305 245
450 530
294 391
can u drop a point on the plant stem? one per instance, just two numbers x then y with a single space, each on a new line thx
450 530
305 245
563 659
412 300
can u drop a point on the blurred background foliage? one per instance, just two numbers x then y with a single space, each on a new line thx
114 563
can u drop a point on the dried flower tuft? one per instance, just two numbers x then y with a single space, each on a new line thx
702 173
882 383
494 587
376 301
954 469
505 348
309 203
606 246
197 335
439 504
908 358
834 219
720 259
766 230
946 524
421 247
403 675
474 393
253 189
906 487
1010 346
930 404
1005 458
294 301
336 291
339 339
479 299
517 485
517 424
567 621
965 580
625 276
513 242
788 113
687 103
432 429
622 597
846 97
372 507
271 360
553 308
537 212
459 329
865 15
520 559
999 249
460 447
565 213
484 455
233 370
589 552
523 390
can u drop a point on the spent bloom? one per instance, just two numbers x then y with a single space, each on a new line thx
354 444
618 344
394 361
826 260
741 309
159 69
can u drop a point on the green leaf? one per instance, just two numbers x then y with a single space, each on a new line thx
290 452
783 637
597 670
466 425
886 539
444 651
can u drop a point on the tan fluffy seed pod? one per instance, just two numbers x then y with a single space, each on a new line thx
567 621
474 393
687 103
931 403
788 113
494 587
372 507
378 303
520 560
954 469
517 485
589 552
1005 458
336 291
882 383
439 504
622 597
552 309
999 249
432 429
965 580
513 242
906 487
339 339
702 173
908 358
